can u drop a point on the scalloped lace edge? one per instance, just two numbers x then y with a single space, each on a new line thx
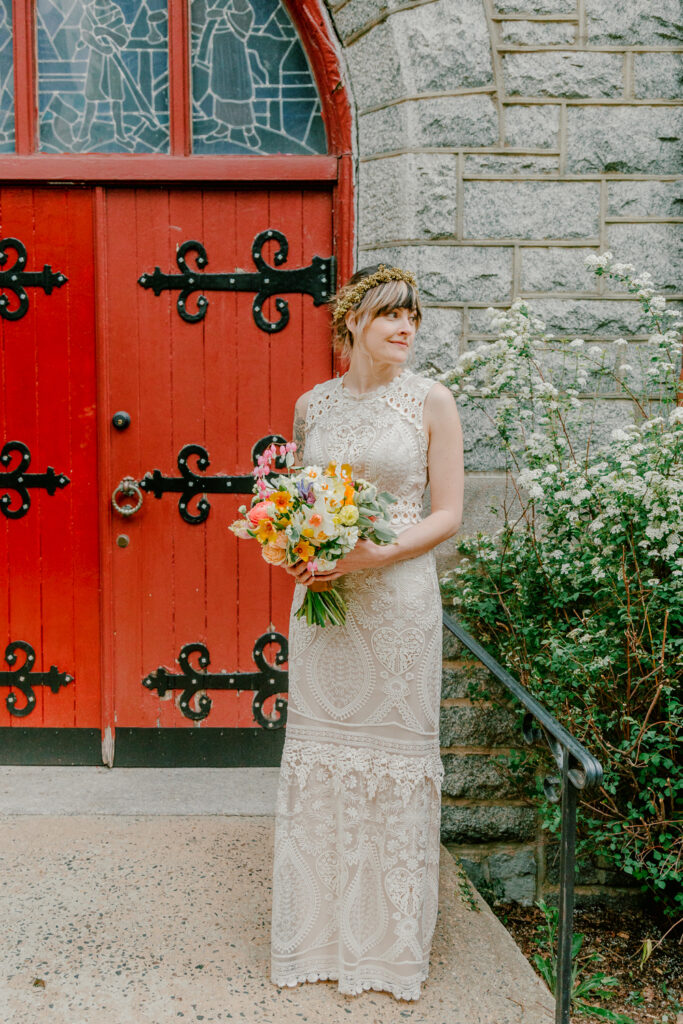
411 994
300 756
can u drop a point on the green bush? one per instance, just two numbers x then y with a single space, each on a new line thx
580 594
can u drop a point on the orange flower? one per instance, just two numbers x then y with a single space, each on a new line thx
349 495
273 554
346 472
331 469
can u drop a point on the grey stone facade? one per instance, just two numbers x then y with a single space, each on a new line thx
499 142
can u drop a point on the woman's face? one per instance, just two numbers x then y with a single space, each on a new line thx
389 337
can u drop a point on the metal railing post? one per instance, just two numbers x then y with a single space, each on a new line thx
565 931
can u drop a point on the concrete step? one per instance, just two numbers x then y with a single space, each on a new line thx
159 919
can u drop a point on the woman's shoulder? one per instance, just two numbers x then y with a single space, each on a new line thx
316 397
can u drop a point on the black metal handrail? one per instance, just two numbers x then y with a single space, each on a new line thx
580 771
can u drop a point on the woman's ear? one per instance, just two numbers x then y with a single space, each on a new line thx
350 321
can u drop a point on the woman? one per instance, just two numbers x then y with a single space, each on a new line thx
355 877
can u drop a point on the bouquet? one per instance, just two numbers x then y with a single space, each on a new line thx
313 515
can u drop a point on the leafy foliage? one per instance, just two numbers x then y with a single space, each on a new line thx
581 592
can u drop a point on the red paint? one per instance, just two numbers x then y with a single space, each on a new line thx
25 113
50 556
110 615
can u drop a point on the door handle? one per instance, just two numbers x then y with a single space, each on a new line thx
127 487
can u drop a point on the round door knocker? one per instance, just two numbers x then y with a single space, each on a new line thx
127 486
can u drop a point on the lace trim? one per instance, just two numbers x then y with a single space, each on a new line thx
425 748
341 763
406 510
348 986
409 401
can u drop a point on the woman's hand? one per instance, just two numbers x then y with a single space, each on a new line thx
365 555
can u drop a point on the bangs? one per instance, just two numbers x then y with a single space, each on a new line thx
388 296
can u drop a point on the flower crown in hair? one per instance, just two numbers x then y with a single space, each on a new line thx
380 276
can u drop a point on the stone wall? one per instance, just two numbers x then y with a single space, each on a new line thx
498 143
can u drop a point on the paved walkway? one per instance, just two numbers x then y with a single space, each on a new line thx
161 918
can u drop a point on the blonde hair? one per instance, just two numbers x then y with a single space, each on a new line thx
375 302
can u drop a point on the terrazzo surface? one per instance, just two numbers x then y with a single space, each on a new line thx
165 919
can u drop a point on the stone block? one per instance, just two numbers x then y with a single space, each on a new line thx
442 121
502 166
542 33
637 24
590 318
536 6
453 273
439 338
486 823
532 127
476 777
481 442
657 248
629 140
452 648
407 196
645 198
475 726
657 76
434 48
356 14
567 74
484 497
514 876
556 269
531 209
378 72
470 680
447 45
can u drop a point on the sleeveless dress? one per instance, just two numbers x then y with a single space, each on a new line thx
357 826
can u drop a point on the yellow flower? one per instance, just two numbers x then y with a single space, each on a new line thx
281 499
304 551
265 531
348 515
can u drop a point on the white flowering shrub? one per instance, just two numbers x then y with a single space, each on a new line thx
581 592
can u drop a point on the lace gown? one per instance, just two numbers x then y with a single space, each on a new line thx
356 858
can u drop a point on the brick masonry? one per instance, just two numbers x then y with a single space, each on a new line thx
499 142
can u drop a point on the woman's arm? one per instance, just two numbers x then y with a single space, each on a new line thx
446 478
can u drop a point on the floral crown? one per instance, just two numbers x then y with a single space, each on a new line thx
381 276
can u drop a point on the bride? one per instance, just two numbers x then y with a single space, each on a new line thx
356 855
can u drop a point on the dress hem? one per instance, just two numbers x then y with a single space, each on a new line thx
410 995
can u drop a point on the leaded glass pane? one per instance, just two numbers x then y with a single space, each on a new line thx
103 76
252 88
6 79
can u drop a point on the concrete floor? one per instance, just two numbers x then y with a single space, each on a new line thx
158 918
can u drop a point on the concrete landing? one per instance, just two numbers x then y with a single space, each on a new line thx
160 919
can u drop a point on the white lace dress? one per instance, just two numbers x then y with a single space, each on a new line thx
356 858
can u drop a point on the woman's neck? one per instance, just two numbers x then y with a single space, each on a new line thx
363 376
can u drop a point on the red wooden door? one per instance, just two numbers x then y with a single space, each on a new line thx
223 384
49 561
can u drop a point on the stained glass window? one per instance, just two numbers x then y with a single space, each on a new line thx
252 88
103 76
6 79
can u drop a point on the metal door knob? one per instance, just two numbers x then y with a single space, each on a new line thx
121 419
127 486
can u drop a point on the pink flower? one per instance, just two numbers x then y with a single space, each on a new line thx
262 510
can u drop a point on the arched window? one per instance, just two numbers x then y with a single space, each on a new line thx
105 75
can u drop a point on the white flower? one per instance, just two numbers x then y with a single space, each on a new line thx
620 343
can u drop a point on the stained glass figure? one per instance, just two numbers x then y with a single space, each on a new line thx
252 88
103 76
6 79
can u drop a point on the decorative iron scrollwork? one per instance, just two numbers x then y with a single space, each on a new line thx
25 678
15 279
19 480
317 280
268 681
190 483
533 732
